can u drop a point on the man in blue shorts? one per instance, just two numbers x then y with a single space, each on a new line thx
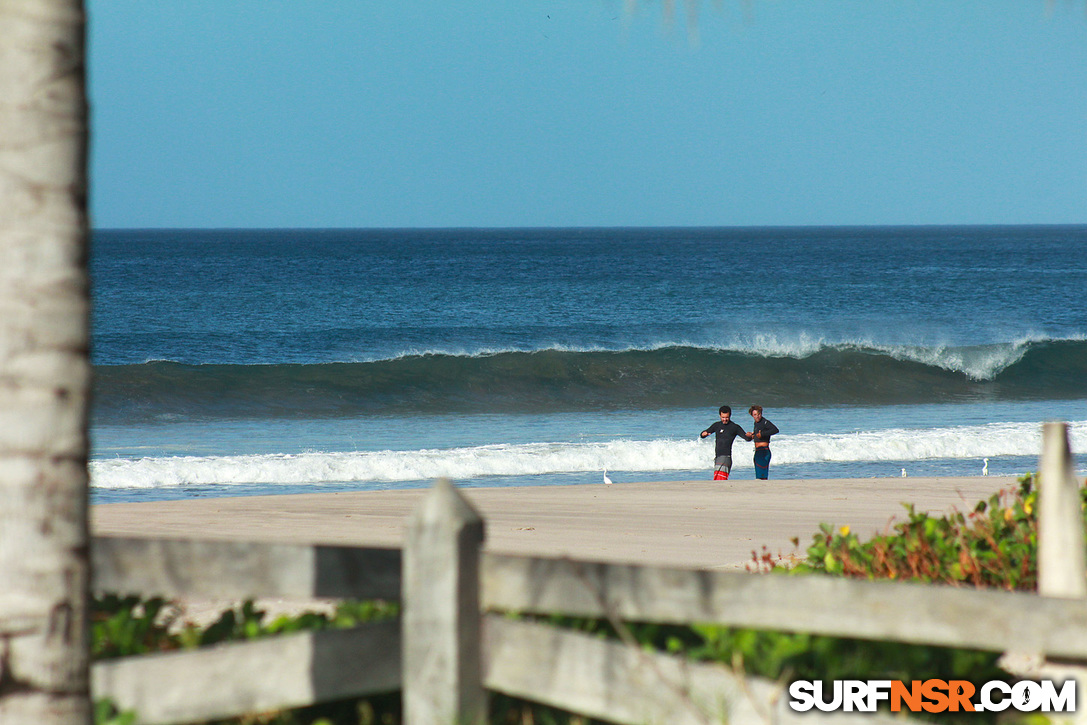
761 433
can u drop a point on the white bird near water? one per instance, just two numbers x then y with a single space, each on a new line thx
903 473
985 470
606 479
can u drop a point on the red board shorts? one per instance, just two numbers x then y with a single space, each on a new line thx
721 467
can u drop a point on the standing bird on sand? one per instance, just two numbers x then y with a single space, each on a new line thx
985 470
903 473
606 479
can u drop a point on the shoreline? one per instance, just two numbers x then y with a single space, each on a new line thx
692 524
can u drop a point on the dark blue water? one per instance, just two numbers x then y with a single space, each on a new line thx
258 360
273 297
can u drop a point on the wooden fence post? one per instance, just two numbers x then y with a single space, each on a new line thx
1061 567
441 636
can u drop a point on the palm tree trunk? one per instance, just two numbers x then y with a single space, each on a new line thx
44 368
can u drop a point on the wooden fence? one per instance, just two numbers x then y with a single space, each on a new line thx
453 643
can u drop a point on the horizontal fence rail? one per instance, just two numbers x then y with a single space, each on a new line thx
285 671
898 611
237 570
295 670
609 680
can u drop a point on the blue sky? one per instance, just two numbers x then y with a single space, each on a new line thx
497 113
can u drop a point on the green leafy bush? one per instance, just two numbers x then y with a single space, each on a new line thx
128 625
122 626
994 545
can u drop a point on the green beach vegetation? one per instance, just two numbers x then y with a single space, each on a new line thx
993 545
122 626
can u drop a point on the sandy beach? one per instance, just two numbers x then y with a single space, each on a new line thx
700 524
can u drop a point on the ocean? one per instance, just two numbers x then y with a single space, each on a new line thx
239 362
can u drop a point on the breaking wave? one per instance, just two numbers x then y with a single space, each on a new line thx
552 380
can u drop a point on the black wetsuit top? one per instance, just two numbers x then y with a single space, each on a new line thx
726 433
766 428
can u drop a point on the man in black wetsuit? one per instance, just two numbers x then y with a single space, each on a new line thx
726 431
760 433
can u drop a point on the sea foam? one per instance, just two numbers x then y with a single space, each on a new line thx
533 459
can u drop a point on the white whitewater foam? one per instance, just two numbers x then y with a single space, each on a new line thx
978 362
967 442
462 464
981 362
